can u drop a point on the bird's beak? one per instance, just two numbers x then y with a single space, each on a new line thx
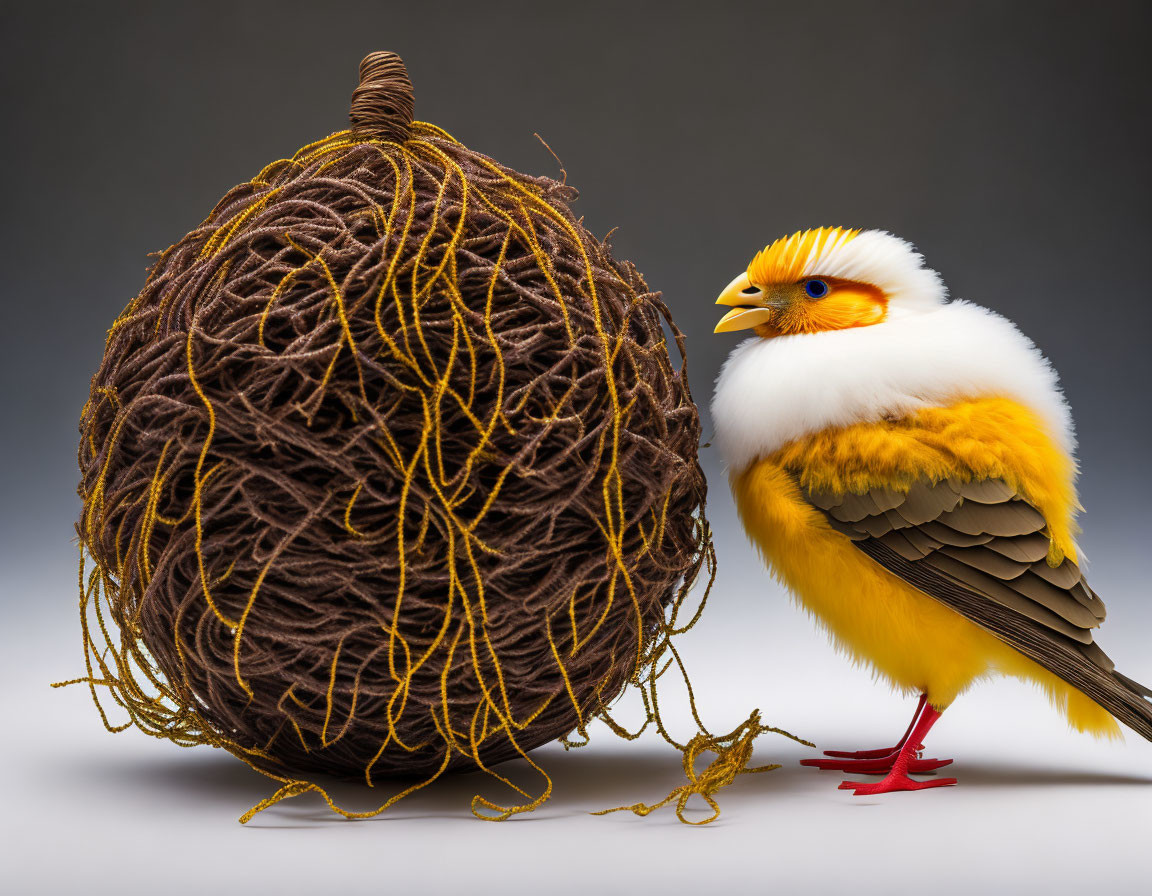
750 306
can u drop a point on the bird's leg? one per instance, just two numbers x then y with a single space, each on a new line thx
897 778
890 751
879 761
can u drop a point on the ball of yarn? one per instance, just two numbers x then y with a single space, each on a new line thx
387 470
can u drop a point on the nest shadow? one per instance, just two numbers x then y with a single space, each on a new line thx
584 781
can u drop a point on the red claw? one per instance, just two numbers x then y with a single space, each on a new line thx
894 783
860 754
876 766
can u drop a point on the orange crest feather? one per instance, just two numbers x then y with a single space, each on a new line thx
790 258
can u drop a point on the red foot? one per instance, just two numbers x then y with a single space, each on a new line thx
895 782
879 766
894 764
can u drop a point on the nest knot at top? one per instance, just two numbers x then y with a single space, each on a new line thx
383 104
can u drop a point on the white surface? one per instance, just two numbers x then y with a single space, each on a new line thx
1039 809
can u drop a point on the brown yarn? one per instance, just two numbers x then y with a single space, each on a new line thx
387 470
383 104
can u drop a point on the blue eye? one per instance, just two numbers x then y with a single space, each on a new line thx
816 289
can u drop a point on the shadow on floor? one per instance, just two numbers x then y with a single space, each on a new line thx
583 781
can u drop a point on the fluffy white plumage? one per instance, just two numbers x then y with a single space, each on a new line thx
773 391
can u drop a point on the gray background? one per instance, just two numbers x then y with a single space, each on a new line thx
1009 141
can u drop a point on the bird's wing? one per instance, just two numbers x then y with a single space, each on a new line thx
980 548
981 537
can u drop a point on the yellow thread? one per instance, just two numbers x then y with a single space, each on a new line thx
348 512
199 483
733 751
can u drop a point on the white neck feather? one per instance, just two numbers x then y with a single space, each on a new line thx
773 391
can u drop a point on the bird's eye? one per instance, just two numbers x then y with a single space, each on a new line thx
815 289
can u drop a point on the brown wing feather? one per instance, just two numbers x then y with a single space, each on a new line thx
947 535
1025 548
1008 596
982 550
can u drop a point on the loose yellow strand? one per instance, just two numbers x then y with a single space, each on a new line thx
198 483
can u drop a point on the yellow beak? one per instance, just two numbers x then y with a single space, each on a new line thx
750 307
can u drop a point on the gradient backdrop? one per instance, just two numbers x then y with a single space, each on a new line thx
1010 141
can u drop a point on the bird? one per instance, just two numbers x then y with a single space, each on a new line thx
905 464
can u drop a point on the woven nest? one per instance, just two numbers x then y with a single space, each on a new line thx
387 470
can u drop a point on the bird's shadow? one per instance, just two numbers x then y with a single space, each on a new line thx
986 774
584 780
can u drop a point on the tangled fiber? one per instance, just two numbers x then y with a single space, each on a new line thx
387 471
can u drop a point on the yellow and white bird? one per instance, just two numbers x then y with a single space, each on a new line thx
905 465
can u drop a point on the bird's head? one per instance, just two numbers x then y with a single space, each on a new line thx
829 279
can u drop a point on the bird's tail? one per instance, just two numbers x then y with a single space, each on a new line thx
1127 700
1133 685
1089 670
